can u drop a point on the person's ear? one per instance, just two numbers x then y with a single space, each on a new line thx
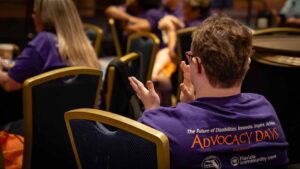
197 61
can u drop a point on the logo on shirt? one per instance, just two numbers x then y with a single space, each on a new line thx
234 161
211 162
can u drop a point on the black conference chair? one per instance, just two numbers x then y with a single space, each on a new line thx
147 45
131 145
117 95
116 33
95 34
46 98
280 85
275 77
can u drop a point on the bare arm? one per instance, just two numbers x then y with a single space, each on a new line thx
170 24
117 13
7 83
138 24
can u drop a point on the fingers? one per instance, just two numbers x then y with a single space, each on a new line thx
150 86
186 95
184 90
185 69
138 86
133 84
183 66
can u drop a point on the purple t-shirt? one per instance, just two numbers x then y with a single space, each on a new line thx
40 55
240 131
154 15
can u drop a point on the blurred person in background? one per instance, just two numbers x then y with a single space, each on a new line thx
194 13
290 14
150 19
132 10
60 42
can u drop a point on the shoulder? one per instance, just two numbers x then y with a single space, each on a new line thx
43 38
167 114
256 98
158 12
44 42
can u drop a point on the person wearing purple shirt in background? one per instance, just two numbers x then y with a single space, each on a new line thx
194 12
60 42
148 21
215 125
132 8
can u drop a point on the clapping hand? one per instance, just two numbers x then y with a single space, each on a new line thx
148 95
187 93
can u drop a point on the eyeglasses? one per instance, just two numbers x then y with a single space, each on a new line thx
189 55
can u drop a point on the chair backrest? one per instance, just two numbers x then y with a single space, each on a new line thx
117 94
2 166
116 36
129 145
184 40
147 45
274 31
95 34
46 97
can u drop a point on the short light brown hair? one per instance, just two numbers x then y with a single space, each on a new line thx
224 46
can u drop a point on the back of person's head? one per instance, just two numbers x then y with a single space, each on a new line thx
61 16
224 47
203 6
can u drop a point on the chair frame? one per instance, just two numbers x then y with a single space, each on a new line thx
276 30
99 36
111 76
27 100
179 51
155 48
113 28
126 124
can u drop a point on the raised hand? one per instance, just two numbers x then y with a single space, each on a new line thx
187 93
148 95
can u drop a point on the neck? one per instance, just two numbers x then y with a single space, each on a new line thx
209 91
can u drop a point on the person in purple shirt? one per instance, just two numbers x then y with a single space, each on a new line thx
131 8
60 42
194 13
215 125
148 21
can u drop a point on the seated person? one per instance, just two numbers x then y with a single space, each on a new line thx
149 20
60 42
215 125
132 8
290 14
194 13
136 10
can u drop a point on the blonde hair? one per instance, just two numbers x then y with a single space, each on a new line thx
73 45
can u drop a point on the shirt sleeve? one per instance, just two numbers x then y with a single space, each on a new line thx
28 64
153 16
